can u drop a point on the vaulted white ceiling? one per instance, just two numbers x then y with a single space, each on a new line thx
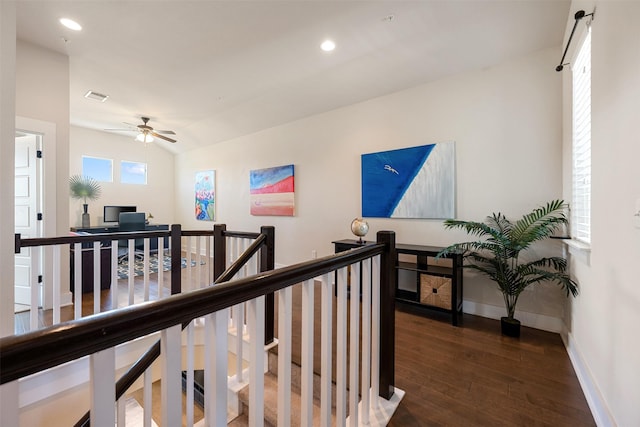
215 70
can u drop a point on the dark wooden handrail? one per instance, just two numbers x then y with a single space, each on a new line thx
32 352
87 238
243 234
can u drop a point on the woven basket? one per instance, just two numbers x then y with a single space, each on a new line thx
435 290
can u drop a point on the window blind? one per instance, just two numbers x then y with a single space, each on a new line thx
581 204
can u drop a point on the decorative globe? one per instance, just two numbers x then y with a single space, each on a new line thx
360 228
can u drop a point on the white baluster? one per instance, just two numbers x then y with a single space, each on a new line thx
189 284
160 267
96 277
171 387
131 260
147 397
341 348
239 313
56 284
375 330
190 368
255 309
216 368
77 280
35 286
146 267
326 320
198 283
284 356
114 274
209 261
366 339
354 343
306 388
102 371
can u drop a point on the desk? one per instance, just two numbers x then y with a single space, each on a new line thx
114 229
105 254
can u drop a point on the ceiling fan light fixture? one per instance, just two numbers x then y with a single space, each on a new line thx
70 24
144 137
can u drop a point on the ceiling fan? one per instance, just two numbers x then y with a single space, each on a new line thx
146 132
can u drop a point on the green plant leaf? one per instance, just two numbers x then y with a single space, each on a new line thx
497 254
84 187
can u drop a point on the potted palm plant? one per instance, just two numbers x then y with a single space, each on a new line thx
498 254
85 188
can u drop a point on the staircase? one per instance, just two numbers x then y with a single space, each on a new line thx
271 396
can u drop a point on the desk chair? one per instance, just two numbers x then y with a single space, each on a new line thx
131 221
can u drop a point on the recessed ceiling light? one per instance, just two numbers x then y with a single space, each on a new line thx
70 24
328 45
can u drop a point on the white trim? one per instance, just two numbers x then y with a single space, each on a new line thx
580 250
599 409
380 414
49 228
532 320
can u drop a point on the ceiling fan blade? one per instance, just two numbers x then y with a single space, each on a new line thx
131 124
162 136
122 130
166 132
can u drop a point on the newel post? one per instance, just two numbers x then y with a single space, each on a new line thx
176 259
267 263
219 250
387 313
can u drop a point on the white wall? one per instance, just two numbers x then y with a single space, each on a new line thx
42 92
604 319
505 120
157 197
7 161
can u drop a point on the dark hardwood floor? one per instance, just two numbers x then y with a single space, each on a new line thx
458 376
472 376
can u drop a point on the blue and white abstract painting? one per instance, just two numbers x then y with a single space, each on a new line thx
416 182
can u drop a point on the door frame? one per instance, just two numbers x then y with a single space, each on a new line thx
47 131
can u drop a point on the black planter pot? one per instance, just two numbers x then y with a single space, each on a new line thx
510 327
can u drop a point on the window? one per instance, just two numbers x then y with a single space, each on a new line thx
97 168
581 203
133 173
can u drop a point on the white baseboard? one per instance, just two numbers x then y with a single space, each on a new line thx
532 320
66 298
599 409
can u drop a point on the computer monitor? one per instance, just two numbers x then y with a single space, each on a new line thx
112 213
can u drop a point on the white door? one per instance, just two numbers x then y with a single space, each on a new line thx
27 196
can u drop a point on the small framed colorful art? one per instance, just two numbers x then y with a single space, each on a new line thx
205 195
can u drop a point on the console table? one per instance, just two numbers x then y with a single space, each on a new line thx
422 281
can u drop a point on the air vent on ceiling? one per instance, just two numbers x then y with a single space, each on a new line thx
95 95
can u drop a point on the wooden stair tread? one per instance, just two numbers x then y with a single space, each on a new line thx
271 402
241 421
